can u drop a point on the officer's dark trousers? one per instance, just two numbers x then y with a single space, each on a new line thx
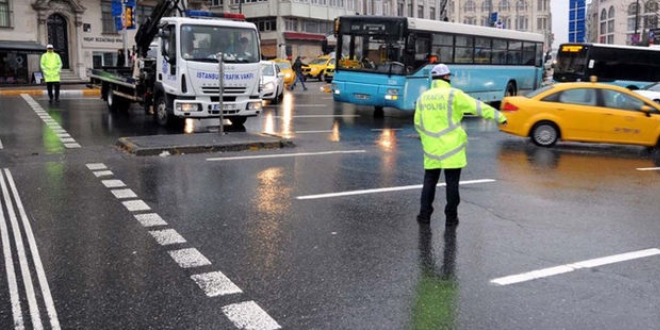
431 177
49 86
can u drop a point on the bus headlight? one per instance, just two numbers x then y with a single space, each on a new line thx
334 88
188 107
392 94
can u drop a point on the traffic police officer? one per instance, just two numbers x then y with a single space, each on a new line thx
51 65
438 116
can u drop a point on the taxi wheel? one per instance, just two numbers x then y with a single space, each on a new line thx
322 76
545 134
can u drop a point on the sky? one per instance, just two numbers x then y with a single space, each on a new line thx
559 21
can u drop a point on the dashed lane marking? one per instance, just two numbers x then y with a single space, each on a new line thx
246 315
383 190
300 154
67 141
249 316
562 269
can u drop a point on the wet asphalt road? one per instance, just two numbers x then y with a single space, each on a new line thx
313 239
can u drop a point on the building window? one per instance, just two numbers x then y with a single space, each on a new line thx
291 24
651 7
504 5
106 17
5 14
486 6
399 9
432 13
542 23
265 24
410 9
470 6
521 5
542 5
420 11
142 12
216 3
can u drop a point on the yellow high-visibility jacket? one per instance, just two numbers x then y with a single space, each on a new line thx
51 65
438 116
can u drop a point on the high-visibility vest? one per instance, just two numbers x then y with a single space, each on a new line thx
51 65
438 116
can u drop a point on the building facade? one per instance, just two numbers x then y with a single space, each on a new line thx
85 35
623 22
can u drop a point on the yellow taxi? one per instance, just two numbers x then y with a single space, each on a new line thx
330 71
583 112
286 69
317 67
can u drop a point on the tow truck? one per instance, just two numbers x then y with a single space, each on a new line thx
176 72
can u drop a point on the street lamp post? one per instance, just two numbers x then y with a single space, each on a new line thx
636 22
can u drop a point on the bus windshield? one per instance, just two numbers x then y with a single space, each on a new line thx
203 42
380 53
571 63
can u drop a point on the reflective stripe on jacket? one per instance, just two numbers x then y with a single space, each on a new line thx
51 65
438 116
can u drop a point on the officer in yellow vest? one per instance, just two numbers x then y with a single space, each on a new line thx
438 116
51 65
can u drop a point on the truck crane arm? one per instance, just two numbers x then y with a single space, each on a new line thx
149 28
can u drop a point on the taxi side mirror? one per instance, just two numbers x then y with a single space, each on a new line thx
646 110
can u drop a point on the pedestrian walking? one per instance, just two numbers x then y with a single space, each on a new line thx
51 66
121 58
438 116
297 68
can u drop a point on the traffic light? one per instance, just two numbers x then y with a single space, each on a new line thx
128 18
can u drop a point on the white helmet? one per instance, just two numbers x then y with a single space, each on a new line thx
440 70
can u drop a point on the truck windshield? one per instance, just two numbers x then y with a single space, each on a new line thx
203 43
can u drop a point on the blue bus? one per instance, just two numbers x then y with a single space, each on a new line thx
386 61
626 66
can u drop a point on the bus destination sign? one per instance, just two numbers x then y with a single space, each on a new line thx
368 27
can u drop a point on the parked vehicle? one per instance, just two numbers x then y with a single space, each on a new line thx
583 112
651 91
272 82
317 67
184 81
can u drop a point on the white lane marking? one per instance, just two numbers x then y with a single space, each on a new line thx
99 174
311 132
321 153
648 168
382 190
187 258
1 147
36 257
150 220
136 205
17 313
54 126
96 166
123 193
249 316
215 284
386 129
317 116
546 272
22 259
167 237
113 183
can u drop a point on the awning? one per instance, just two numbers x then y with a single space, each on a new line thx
24 46
303 36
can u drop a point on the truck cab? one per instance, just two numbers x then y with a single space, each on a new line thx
187 74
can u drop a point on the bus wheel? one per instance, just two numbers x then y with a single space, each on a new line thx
510 89
545 134
163 117
378 112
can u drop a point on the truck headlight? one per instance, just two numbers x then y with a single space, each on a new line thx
254 106
188 107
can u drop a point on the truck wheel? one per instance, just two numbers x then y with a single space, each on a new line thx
237 120
116 103
162 115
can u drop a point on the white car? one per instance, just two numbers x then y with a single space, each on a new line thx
272 82
651 91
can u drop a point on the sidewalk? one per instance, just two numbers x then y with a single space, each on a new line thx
40 90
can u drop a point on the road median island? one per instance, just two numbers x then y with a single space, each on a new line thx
178 144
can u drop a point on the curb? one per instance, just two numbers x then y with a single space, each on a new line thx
40 92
